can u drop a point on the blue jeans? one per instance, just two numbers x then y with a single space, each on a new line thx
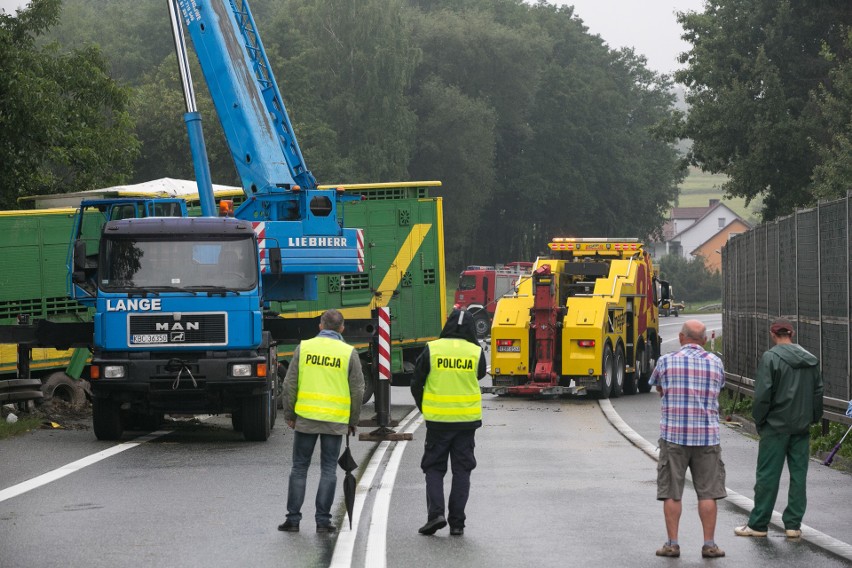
303 449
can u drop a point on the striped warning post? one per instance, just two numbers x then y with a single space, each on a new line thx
384 344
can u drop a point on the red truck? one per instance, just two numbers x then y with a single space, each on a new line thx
481 286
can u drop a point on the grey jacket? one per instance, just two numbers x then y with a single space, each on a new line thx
356 394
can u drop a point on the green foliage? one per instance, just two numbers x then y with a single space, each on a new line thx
536 128
690 279
752 73
732 403
832 174
64 123
825 442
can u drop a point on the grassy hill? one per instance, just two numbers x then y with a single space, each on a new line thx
699 188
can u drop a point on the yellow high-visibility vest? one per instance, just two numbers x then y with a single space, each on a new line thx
324 380
452 391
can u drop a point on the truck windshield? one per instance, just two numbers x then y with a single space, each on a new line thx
467 282
155 264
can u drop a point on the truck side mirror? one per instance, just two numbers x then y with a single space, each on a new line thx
79 255
275 260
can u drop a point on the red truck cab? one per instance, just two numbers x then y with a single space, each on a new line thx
481 286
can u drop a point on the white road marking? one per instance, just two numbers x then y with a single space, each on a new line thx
344 547
72 467
809 534
376 555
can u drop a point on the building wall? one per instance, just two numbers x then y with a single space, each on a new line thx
713 259
705 228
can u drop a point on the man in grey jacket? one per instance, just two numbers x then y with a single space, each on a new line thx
787 400
323 390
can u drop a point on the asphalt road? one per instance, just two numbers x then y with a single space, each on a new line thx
556 485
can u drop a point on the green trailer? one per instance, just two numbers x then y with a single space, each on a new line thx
404 259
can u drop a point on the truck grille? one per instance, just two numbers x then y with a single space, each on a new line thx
174 329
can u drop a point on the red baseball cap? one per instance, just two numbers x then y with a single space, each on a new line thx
781 327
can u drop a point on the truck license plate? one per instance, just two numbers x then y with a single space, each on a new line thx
150 338
509 348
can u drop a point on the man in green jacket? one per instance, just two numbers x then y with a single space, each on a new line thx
787 400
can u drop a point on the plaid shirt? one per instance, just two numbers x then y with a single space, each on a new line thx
691 380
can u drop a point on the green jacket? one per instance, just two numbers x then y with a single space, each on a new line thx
787 391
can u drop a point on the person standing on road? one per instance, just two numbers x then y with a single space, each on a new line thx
446 390
787 400
689 382
324 387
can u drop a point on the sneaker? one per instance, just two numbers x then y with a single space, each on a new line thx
432 526
287 526
793 533
456 531
712 551
746 530
670 550
330 529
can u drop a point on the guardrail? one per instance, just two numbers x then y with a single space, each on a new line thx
20 390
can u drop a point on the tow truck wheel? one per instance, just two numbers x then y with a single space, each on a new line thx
606 373
106 419
256 417
618 372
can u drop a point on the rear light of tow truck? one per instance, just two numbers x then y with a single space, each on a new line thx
586 342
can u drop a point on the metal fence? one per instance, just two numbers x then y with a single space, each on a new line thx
798 268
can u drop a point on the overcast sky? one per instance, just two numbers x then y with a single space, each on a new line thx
648 26
10 5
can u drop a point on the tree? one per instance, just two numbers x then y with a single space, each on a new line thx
751 72
690 279
159 107
347 64
64 124
833 173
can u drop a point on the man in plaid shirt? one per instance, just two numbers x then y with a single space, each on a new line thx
689 382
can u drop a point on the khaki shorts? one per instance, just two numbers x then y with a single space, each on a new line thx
704 463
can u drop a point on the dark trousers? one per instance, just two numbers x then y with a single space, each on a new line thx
774 449
457 445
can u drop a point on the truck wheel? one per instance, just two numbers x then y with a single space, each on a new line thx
273 404
482 324
60 386
256 417
237 421
606 374
106 419
618 372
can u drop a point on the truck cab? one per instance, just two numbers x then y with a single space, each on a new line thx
480 287
178 325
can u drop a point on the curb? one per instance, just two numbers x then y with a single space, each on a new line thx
810 534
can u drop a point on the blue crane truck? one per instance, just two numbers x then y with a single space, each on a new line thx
179 302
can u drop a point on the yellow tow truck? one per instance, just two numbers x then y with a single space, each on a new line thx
586 321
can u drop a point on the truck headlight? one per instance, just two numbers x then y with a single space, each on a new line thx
241 370
114 371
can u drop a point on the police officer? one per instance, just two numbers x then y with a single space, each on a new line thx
324 387
446 390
